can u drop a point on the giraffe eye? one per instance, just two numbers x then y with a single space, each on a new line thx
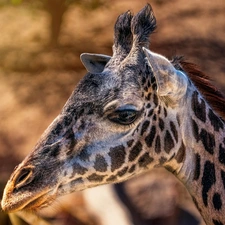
124 117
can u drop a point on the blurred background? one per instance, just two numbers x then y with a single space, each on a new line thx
40 45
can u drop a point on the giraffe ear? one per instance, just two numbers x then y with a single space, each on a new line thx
94 63
171 82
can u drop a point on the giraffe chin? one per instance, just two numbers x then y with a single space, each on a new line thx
31 202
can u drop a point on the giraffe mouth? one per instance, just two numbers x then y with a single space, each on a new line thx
39 202
33 203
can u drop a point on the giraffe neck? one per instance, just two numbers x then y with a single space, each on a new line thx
203 170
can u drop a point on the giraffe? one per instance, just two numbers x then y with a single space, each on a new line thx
131 112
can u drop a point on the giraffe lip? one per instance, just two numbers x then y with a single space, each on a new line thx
40 202
34 202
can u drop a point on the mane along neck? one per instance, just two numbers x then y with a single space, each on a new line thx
203 83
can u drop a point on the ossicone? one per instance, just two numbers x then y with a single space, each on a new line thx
142 25
122 33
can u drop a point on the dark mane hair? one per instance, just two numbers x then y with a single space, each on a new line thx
212 95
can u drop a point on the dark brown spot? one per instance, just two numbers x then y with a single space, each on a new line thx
216 122
168 141
153 79
207 138
135 151
122 172
148 106
144 127
161 124
143 80
78 169
145 160
217 203
199 108
208 179
95 177
157 144
197 166
208 141
195 130
150 137
146 88
165 112
181 153
221 154
100 163
132 169
159 110
154 86
130 142
155 100
111 178
117 155
148 97
150 113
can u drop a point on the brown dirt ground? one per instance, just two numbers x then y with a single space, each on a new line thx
35 81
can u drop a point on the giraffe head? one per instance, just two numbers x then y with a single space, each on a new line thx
119 121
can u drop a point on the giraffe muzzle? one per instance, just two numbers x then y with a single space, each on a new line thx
34 195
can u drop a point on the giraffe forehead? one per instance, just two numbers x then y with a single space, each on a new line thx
95 85
97 90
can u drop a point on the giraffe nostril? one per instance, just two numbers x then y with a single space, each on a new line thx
23 177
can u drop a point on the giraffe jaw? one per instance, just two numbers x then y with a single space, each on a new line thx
27 201
14 200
